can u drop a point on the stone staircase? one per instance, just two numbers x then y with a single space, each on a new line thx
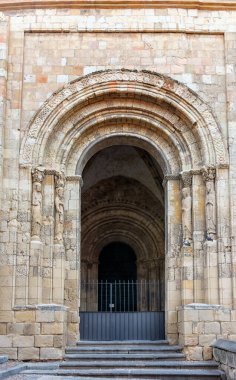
131 360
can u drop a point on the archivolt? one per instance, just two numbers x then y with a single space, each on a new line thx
153 110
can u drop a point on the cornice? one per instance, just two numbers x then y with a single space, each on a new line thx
186 4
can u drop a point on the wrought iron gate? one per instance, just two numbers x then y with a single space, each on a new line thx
121 310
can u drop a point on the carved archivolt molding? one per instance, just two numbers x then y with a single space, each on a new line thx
197 4
148 84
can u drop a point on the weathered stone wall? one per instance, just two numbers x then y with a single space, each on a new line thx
41 50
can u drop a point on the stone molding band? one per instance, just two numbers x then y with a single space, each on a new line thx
186 4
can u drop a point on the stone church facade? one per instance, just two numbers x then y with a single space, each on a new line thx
117 123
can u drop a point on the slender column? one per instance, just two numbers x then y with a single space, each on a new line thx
198 214
36 248
48 237
172 268
210 245
72 230
59 250
187 246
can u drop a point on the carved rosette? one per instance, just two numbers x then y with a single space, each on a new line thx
37 179
209 175
59 207
186 178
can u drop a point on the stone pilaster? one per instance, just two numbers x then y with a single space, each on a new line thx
72 247
36 246
187 246
198 223
173 257
210 246
59 248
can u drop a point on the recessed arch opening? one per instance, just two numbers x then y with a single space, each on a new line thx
123 230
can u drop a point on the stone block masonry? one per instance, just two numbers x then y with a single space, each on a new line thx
76 80
200 325
36 333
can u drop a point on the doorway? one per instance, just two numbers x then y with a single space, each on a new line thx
122 247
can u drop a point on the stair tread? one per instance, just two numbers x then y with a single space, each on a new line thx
125 371
140 363
170 355
120 342
124 348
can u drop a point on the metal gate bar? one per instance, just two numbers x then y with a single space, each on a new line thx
120 296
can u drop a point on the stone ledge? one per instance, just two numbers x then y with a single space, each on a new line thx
203 306
186 4
226 345
53 307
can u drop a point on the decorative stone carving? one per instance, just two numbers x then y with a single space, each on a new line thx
170 177
37 179
210 206
159 84
187 208
59 207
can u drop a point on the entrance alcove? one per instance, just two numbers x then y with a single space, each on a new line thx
151 157
122 232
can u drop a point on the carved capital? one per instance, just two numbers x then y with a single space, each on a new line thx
51 172
170 177
186 178
75 178
209 173
38 174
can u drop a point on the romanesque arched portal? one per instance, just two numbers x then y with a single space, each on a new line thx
179 131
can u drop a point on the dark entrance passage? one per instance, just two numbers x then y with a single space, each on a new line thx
122 293
117 262
117 278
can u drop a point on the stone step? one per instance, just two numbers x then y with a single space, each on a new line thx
122 349
158 374
99 364
121 342
3 359
124 356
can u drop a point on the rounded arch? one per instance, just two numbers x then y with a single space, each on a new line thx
166 116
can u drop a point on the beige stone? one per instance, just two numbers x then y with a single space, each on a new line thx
23 341
206 340
45 316
5 341
31 353
25 316
207 353
52 328
212 328
50 353
44 341
10 352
